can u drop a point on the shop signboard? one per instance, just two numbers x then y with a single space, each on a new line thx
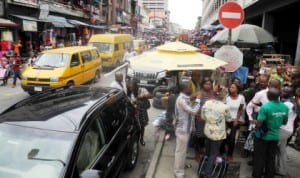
29 26
44 11
232 55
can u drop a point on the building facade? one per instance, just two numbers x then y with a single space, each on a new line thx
40 23
159 14
273 15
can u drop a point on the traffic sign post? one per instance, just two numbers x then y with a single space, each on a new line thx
231 15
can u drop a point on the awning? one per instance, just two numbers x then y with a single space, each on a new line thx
99 27
56 21
7 23
78 23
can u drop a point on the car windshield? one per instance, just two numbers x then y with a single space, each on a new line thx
52 60
30 153
103 47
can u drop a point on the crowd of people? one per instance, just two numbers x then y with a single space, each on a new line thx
139 98
207 116
10 66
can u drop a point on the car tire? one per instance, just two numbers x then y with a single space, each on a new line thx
70 84
132 155
97 77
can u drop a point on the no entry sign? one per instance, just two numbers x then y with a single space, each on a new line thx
231 15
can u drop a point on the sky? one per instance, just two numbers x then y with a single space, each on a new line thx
185 12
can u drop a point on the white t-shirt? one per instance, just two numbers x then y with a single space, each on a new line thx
291 117
128 55
234 105
259 98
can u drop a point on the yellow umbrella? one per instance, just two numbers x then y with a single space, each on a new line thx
176 56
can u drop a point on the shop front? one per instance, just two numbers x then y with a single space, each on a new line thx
7 28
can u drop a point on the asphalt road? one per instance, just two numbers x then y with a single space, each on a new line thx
9 96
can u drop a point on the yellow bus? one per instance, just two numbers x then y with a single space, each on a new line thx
61 67
112 47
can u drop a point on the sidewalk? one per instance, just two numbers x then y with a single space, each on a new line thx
237 168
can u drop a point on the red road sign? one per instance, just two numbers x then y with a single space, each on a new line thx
231 15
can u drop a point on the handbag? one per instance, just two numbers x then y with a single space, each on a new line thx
261 131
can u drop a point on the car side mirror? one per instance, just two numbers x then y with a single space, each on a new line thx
91 173
74 63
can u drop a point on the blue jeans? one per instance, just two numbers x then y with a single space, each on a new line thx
212 151
17 74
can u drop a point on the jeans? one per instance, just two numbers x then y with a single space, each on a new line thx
17 74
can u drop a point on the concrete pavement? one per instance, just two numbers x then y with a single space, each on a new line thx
162 162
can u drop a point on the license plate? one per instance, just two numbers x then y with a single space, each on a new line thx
38 88
143 82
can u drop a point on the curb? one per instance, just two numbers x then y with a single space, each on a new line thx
156 155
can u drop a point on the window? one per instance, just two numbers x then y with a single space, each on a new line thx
86 56
91 144
116 47
75 59
95 54
112 117
128 45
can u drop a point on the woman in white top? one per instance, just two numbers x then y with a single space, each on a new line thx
236 103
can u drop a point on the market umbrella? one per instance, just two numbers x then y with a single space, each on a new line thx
176 56
245 34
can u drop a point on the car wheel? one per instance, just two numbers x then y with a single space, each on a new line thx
133 155
70 84
97 76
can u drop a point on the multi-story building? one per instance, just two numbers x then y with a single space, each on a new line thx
40 23
276 16
158 12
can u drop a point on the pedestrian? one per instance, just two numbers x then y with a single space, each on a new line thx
4 66
139 97
236 104
119 82
128 54
16 66
271 115
32 58
16 47
215 113
206 90
184 113
285 131
252 109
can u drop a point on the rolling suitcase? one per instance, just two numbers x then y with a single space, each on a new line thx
219 168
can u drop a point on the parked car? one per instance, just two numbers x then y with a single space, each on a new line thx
69 133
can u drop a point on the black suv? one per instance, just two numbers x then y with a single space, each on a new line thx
69 133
